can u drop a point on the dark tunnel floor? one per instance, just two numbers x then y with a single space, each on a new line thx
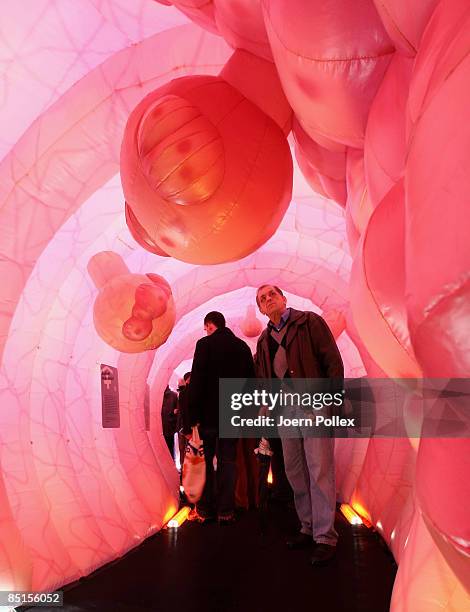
234 568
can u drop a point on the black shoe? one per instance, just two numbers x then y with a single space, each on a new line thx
322 555
195 517
301 540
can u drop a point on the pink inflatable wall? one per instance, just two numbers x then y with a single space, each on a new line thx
163 159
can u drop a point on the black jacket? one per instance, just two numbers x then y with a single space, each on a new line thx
182 422
170 403
220 355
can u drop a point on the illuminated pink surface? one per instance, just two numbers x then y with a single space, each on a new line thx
405 22
378 288
385 141
331 57
358 206
389 272
324 170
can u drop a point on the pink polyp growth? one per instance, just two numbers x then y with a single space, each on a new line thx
150 302
136 329
160 282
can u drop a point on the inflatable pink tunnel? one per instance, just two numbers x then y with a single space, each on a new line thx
166 159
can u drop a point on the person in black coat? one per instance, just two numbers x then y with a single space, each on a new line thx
169 416
219 355
182 422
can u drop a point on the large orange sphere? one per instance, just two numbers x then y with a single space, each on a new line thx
206 173
140 235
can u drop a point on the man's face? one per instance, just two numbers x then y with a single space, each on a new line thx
209 328
270 301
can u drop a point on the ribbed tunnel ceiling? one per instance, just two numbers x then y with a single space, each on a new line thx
383 131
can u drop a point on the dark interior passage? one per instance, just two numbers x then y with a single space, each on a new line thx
235 568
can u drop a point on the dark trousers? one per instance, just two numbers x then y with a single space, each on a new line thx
170 442
246 490
218 496
182 448
281 489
